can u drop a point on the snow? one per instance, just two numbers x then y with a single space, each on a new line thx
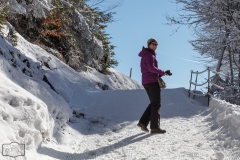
36 7
87 115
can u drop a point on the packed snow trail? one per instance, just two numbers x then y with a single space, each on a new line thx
109 131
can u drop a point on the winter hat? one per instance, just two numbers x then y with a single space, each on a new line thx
151 40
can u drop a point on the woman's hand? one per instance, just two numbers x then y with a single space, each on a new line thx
167 72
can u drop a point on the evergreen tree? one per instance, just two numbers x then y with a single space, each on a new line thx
3 15
70 29
101 19
89 35
13 37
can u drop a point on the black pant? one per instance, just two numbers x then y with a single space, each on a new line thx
152 113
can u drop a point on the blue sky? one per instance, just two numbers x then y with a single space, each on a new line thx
136 22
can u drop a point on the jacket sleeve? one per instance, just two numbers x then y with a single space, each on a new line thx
152 67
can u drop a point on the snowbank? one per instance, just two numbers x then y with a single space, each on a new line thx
224 127
23 117
226 115
30 111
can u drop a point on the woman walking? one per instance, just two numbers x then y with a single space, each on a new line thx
149 69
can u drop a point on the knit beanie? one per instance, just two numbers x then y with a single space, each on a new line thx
151 40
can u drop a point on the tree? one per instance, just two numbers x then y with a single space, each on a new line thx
13 37
3 15
101 19
217 29
70 29
99 52
53 24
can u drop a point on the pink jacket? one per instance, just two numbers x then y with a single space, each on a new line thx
149 66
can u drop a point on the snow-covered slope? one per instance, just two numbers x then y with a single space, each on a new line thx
37 90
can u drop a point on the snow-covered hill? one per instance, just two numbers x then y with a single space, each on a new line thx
37 90
59 113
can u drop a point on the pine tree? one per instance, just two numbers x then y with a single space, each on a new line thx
73 29
101 19
90 37
3 15
3 18
13 37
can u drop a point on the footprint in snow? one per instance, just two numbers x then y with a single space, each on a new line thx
219 155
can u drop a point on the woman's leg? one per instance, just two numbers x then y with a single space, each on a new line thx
154 92
146 116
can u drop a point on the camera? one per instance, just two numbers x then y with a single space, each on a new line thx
168 72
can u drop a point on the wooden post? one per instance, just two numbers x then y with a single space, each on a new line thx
208 85
190 85
130 72
195 84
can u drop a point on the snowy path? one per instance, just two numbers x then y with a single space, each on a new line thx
109 130
183 141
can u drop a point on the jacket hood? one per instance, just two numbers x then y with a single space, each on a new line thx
146 51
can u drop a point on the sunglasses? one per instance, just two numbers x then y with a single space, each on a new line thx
155 44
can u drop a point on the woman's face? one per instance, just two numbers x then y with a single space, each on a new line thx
153 46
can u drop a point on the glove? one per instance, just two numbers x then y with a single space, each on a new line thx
168 72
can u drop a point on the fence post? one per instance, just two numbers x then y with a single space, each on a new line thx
195 85
190 85
130 72
208 85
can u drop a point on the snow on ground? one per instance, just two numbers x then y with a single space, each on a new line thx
59 113
108 130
